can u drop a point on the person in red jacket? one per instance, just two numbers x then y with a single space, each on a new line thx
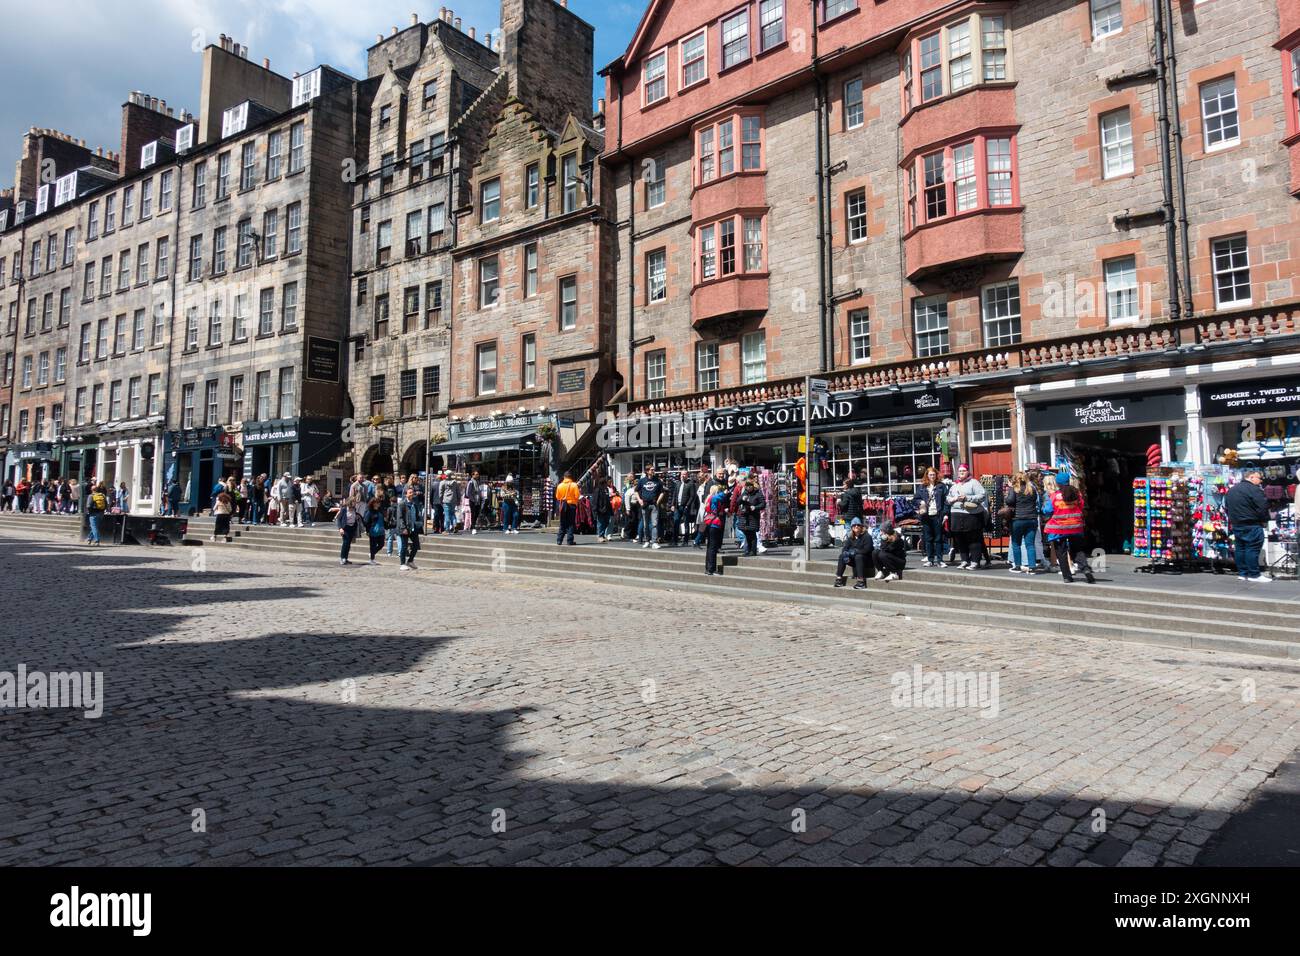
1065 527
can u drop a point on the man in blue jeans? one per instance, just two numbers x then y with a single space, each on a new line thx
1248 517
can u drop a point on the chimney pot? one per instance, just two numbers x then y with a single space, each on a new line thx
456 23
415 19
266 62
471 33
394 31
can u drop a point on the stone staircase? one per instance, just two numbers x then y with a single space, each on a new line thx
1263 626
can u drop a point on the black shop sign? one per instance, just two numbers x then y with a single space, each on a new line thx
1267 399
776 418
1106 414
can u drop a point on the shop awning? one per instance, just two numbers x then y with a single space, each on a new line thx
497 439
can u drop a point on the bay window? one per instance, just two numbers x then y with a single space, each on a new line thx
961 54
962 178
729 246
715 155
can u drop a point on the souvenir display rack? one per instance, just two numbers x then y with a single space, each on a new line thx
1163 518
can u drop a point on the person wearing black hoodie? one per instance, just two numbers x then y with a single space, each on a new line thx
857 552
850 502
891 556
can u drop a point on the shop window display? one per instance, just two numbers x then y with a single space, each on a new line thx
890 460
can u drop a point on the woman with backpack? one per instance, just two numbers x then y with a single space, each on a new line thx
380 521
967 512
1024 503
749 511
931 504
1065 528
96 505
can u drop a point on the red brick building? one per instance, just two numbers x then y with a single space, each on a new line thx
975 219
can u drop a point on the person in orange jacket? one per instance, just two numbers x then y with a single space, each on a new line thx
567 496
801 472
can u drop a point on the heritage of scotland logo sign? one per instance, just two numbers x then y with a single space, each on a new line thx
1101 412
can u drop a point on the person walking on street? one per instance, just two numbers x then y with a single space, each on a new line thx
967 510
931 504
715 518
348 522
310 502
567 496
1248 517
410 524
222 509
375 521
474 492
509 507
857 554
1065 528
1025 504
96 505
749 515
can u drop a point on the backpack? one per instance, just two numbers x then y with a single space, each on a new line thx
98 501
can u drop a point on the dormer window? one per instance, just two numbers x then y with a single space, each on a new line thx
42 199
430 94
149 154
65 190
306 87
654 78
385 115
185 138
234 120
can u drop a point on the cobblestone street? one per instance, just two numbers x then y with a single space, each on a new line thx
324 715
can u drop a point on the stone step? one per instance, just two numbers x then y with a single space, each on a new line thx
1122 624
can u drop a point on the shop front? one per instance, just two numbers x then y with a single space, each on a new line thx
79 456
300 446
1106 441
884 440
198 458
130 453
524 447
32 461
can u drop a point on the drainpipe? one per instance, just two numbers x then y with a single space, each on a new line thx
1167 203
818 109
629 383
1179 165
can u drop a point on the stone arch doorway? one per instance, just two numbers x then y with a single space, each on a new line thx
413 462
377 461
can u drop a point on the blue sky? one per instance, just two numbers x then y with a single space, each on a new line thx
73 71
